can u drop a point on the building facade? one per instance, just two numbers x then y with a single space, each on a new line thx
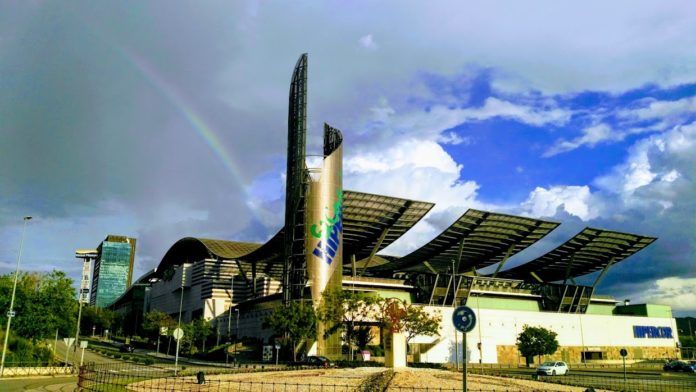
113 270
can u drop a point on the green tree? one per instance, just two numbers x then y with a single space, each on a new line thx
99 318
343 311
536 341
44 303
297 321
154 320
416 321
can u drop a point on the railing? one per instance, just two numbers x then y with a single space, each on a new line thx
121 377
18 369
615 382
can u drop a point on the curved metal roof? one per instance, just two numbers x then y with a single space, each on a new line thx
476 240
588 251
192 249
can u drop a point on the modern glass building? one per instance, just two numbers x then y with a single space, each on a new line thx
113 269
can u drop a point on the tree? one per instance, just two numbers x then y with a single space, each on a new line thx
100 318
536 341
400 316
416 321
43 303
156 319
296 321
344 311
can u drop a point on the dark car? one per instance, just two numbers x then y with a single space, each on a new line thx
319 361
676 366
126 348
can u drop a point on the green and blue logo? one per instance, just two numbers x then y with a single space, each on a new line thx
328 230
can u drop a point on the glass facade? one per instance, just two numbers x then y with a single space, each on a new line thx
112 270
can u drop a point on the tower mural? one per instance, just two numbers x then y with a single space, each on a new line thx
325 231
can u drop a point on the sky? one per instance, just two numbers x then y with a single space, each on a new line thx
165 119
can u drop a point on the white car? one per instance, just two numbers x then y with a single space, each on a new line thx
553 368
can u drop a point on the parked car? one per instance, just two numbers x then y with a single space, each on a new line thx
674 366
680 366
126 348
319 361
690 367
553 368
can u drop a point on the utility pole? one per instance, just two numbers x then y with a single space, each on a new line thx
11 312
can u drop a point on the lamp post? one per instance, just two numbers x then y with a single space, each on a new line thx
86 256
11 313
236 335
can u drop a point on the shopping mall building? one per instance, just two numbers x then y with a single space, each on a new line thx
334 238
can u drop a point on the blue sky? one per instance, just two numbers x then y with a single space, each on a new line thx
161 120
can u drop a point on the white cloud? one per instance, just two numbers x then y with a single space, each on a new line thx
454 139
656 109
431 123
677 292
368 42
575 200
590 137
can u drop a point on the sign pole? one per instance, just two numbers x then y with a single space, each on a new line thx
456 351
464 359
623 353
464 320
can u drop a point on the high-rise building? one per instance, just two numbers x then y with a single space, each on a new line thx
113 269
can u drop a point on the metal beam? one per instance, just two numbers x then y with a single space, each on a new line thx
567 273
449 282
430 267
502 262
432 293
456 291
459 255
374 250
535 276
604 271
352 263
560 305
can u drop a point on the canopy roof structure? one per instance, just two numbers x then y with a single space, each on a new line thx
370 224
588 251
476 240
373 222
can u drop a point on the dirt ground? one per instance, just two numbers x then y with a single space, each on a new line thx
346 380
434 379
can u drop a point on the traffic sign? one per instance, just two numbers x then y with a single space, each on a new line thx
83 344
11 313
623 352
464 319
178 333
277 346
164 330
69 341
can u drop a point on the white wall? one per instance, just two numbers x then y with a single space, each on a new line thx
501 327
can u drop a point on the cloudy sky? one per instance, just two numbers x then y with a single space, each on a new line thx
164 119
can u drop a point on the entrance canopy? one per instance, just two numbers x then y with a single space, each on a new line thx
588 251
476 240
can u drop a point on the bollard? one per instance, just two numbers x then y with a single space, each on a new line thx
200 378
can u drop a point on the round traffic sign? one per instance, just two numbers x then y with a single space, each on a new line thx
178 333
464 319
623 352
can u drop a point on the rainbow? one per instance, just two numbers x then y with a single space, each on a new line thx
197 123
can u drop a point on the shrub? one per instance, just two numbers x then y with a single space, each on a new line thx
148 361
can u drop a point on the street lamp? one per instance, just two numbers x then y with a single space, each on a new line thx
236 335
11 312
86 256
